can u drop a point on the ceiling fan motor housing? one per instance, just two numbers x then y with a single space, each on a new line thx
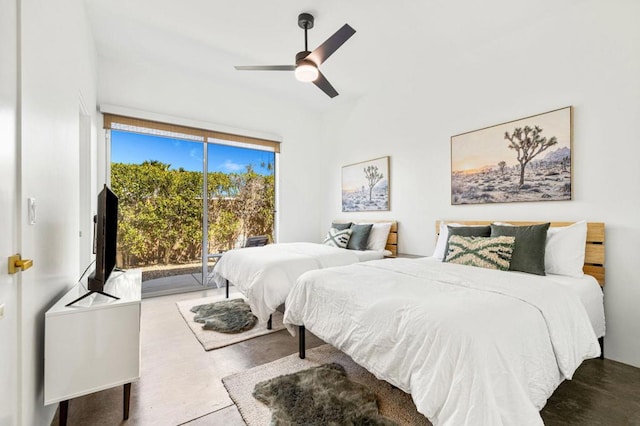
301 55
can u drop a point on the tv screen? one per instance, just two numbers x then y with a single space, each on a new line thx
105 238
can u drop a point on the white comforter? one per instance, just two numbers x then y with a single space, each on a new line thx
473 346
266 274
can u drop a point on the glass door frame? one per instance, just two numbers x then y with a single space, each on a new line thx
205 195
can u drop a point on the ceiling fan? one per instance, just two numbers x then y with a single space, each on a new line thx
307 63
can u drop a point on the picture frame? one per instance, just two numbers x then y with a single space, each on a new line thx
365 186
528 159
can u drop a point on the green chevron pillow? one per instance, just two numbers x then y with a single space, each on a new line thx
484 252
338 238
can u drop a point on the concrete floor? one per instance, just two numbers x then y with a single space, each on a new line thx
181 383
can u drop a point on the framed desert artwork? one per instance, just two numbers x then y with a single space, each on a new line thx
528 159
365 186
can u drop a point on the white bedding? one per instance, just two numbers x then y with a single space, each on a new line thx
473 346
591 296
264 275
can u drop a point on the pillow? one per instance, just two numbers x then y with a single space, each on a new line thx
378 236
441 243
359 236
528 253
484 252
338 238
341 226
465 231
564 250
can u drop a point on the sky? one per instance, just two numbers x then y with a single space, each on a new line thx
487 147
353 177
135 148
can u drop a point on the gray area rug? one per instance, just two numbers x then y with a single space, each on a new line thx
225 316
320 396
210 339
392 402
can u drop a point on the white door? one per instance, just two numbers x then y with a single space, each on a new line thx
9 226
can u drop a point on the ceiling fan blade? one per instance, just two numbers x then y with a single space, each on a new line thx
325 86
266 67
326 49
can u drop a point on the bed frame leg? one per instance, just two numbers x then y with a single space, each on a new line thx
269 324
301 341
227 285
601 341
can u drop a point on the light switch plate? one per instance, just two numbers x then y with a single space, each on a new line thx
32 210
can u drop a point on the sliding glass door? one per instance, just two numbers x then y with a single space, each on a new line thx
241 197
158 181
173 215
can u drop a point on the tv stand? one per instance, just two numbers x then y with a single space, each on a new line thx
95 344
89 293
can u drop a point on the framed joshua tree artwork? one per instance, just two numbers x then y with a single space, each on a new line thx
365 186
528 159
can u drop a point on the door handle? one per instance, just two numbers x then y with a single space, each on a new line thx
16 263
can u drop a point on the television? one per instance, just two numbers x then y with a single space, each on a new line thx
105 237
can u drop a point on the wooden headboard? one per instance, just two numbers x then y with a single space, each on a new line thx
392 239
594 248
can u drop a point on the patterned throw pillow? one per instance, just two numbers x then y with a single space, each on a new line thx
484 252
338 238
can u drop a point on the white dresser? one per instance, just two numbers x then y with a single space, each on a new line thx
93 344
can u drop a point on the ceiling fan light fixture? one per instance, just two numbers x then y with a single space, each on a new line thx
306 71
307 62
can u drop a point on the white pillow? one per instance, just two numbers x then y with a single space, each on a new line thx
338 238
564 250
378 235
441 243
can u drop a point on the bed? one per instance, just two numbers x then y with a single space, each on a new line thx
473 346
264 275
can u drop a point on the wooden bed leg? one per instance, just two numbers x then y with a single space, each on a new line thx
301 341
269 324
601 341
227 281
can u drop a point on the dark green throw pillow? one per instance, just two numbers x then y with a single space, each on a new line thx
341 226
528 253
465 231
359 236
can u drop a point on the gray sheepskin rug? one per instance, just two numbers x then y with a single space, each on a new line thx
226 316
320 395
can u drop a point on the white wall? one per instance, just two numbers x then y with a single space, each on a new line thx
156 89
9 284
492 65
58 68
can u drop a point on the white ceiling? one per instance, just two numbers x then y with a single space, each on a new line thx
208 37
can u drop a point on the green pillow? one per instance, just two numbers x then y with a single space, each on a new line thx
341 226
465 231
528 253
359 236
484 252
